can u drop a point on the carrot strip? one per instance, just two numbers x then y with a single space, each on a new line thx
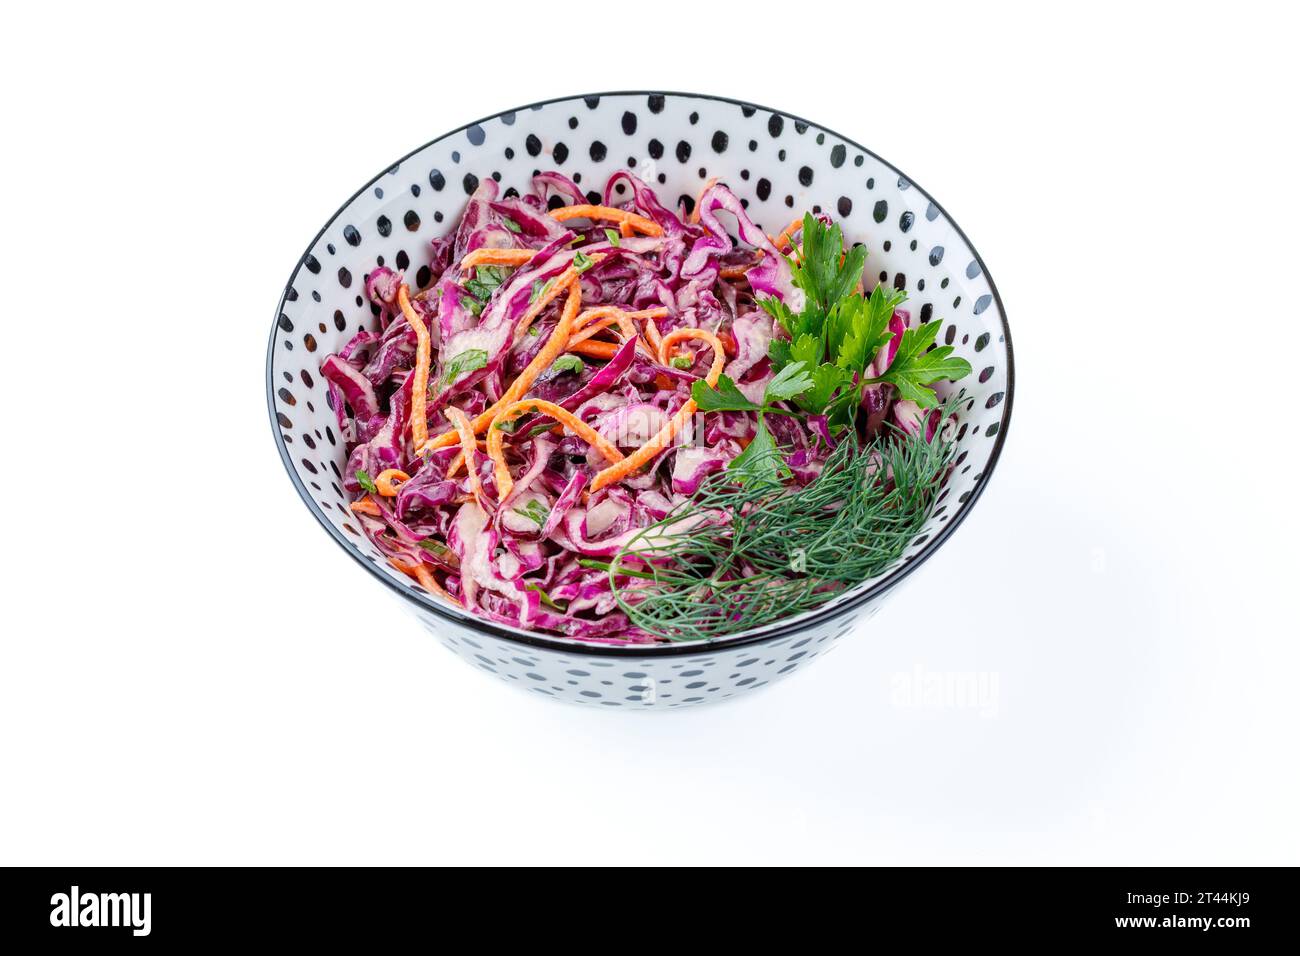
625 229
419 384
736 272
787 234
427 581
664 437
652 335
600 325
541 361
695 210
682 335
496 437
496 257
600 350
639 223
384 481
365 506
468 449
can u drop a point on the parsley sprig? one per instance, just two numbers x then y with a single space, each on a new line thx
760 461
839 333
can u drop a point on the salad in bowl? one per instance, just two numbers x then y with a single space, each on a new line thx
623 408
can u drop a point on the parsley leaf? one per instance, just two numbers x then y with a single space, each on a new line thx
582 262
761 461
511 225
682 362
366 482
612 236
824 278
568 363
857 328
916 365
724 397
471 303
787 383
470 360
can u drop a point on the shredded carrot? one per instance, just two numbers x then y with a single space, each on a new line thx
660 441
468 449
736 272
384 481
604 316
600 350
496 437
787 234
496 257
625 229
420 383
682 335
366 507
652 335
422 574
639 223
600 325
541 361
695 210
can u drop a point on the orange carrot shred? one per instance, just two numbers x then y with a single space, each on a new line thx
420 383
422 574
543 360
639 223
668 432
496 257
496 437
384 481
695 210
468 450
787 234
592 349
365 506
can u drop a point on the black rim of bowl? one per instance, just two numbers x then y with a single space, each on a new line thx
770 632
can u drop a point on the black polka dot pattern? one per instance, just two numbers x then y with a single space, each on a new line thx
778 167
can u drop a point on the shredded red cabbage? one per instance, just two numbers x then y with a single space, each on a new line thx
520 561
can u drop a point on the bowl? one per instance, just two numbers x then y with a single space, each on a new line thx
780 165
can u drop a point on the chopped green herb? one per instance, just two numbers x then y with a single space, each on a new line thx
440 550
582 262
487 280
917 365
612 236
366 482
568 363
534 511
539 289
471 360
511 225
683 362
837 335
471 303
546 598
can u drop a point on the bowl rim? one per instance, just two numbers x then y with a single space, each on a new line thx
770 632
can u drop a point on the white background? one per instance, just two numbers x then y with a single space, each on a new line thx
191 672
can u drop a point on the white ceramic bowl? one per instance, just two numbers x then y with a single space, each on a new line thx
780 165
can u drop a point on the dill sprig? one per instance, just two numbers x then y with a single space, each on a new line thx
745 551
